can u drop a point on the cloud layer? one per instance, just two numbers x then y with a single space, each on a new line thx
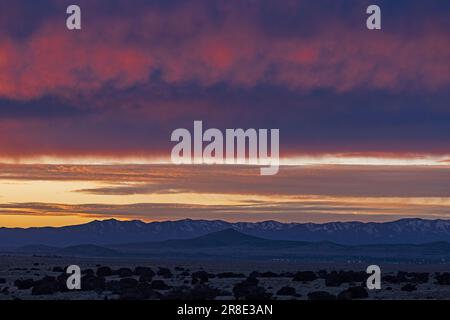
161 192
135 73
220 42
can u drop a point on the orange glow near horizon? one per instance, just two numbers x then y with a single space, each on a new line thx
53 195
18 221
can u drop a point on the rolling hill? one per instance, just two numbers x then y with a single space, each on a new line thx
232 244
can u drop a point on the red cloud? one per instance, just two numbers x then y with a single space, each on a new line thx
190 44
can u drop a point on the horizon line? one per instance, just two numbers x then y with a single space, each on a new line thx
442 160
222 220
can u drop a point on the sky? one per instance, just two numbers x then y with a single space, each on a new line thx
86 116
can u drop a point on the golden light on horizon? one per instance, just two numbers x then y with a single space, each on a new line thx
292 160
55 195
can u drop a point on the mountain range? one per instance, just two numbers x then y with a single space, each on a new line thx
110 232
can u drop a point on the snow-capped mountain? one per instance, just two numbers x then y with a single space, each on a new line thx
412 231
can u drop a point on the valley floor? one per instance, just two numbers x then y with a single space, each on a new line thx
33 277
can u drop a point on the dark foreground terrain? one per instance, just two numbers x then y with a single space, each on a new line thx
43 277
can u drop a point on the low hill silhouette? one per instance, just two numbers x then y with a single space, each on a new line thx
230 243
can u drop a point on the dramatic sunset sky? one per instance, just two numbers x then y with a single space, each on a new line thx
86 116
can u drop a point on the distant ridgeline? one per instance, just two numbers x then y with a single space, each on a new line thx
407 231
